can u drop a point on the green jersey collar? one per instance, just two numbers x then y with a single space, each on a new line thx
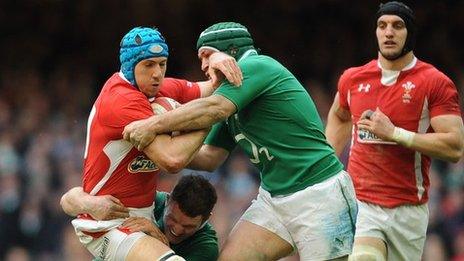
248 53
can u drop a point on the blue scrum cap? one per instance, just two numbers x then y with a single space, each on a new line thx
139 44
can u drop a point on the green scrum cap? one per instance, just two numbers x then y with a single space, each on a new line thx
228 37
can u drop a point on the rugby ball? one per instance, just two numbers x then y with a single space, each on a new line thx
164 104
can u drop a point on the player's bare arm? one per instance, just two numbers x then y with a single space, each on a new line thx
339 125
206 88
208 158
446 143
173 153
194 115
105 207
135 224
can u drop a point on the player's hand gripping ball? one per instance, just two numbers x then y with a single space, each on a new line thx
367 114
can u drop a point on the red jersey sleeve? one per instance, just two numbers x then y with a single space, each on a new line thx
444 98
180 90
343 89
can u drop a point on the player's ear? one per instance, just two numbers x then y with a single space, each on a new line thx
205 220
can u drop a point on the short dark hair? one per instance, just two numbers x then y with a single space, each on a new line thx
195 196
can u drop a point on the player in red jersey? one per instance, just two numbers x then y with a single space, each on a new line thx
112 166
399 112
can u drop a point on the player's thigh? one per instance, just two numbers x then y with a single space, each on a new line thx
407 233
402 229
113 245
368 249
371 237
147 248
248 241
321 218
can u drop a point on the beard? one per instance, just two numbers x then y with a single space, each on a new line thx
391 56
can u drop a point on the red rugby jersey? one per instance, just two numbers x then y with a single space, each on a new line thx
385 173
112 165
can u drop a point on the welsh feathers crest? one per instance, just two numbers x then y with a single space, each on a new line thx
408 86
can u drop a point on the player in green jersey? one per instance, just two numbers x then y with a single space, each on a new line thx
181 216
306 202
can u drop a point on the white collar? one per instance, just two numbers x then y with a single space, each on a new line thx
123 77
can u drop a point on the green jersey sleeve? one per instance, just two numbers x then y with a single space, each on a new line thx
257 72
219 136
160 205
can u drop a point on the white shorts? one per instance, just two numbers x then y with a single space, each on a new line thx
114 245
403 228
318 221
105 239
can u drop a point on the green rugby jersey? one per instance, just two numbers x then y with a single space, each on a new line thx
277 125
201 246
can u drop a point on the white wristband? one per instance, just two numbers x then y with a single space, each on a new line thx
403 137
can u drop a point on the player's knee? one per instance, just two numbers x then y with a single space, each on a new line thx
366 253
170 256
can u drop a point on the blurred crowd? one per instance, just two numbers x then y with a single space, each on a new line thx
57 54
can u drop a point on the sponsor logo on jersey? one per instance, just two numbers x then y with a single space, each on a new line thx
408 86
365 136
141 164
364 87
